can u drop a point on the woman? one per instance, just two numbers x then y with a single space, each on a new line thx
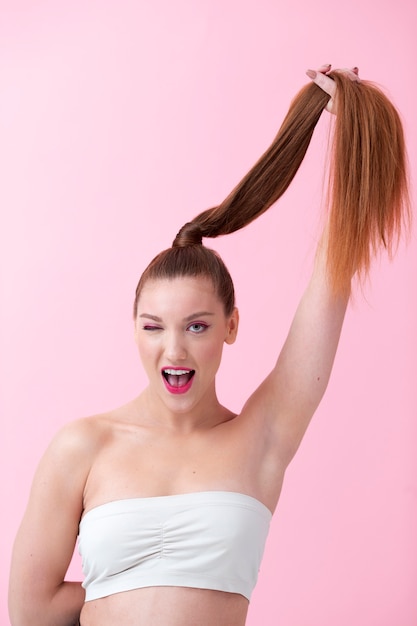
172 494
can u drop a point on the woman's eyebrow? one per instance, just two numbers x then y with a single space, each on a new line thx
155 318
196 315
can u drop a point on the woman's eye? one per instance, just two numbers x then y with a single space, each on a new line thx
198 327
150 327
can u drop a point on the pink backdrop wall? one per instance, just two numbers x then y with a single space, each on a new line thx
121 120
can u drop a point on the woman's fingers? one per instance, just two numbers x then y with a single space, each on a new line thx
328 85
351 72
324 82
325 68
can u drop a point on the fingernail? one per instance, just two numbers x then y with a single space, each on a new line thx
311 74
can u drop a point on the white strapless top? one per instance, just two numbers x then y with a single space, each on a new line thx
208 540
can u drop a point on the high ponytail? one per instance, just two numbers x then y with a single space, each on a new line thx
191 234
271 175
368 187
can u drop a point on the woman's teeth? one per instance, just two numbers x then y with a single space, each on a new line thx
177 378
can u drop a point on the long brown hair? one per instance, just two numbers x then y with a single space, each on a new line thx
368 189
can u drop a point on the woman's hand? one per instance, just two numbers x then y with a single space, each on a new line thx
328 85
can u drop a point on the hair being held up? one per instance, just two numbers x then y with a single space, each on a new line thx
368 186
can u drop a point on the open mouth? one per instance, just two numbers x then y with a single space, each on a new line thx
178 380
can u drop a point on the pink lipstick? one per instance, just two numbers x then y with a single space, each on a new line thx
177 380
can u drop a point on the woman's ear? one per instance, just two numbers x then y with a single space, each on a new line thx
232 327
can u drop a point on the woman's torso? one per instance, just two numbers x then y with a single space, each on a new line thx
135 460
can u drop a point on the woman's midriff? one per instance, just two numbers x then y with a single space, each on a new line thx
167 606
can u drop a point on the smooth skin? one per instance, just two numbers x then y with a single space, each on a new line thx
163 443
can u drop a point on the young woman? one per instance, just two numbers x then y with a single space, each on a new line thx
171 495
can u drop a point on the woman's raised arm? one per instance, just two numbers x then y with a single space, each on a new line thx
286 401
368 205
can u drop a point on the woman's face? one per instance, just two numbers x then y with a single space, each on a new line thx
180 331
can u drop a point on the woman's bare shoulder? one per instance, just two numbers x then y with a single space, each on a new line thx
83 436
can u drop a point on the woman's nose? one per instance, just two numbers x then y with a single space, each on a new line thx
175 349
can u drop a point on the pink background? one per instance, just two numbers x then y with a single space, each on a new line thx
122 119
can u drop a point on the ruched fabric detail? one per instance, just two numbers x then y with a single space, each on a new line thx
208 540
